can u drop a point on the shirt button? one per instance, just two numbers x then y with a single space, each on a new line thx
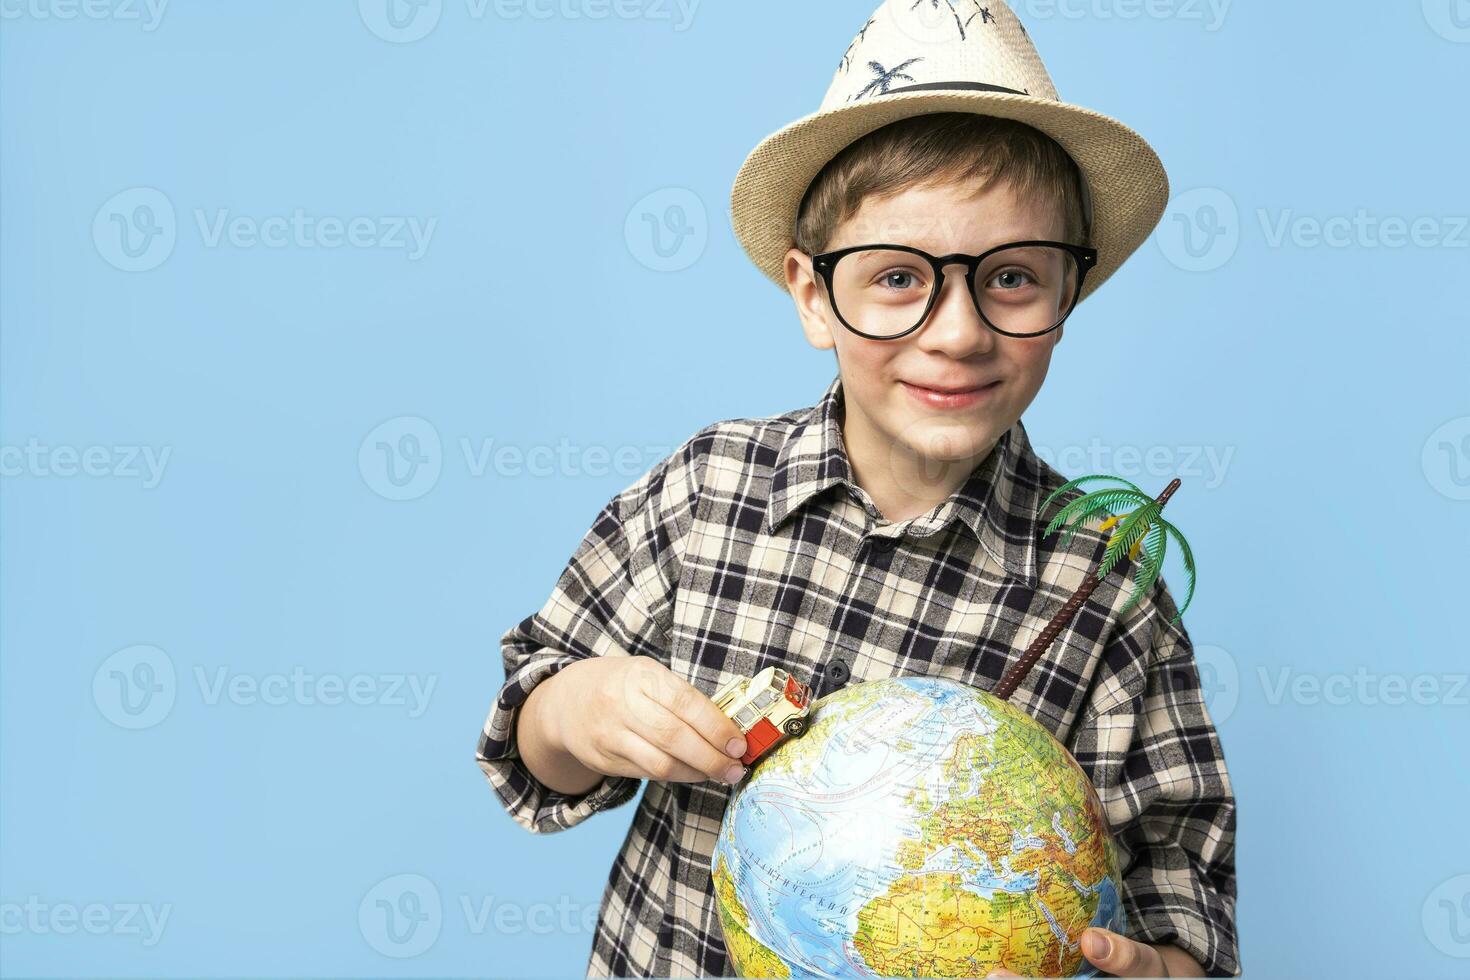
884 544
838 672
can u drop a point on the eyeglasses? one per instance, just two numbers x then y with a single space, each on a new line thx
1020 289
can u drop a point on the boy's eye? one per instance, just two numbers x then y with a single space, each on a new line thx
1010 279
898 279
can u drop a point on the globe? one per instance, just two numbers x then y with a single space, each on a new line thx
920 828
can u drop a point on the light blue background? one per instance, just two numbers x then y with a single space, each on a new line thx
1332 382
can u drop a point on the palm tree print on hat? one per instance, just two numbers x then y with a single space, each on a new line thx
861 37
885 78
986 17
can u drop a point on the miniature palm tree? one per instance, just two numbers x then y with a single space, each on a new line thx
1141 533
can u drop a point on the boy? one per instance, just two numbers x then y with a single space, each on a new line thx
892 528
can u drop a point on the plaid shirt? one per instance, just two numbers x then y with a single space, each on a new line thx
752 545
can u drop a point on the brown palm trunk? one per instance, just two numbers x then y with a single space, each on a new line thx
1064 616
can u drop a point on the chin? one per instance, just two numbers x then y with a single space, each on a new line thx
950 440
956 448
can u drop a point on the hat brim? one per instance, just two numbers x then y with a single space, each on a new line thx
1126 180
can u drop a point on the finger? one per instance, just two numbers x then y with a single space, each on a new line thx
605 759
1121 956
601 754
701 714
651 762
1002 972
671 733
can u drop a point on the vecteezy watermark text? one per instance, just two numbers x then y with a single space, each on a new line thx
403 915
137 687
305 688
41 918
137 230
1365 687
406 21
148 13
301 230
402 458
1210 14
37 459
1189 462
1203 228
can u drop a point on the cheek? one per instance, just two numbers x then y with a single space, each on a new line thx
865 363
1031 364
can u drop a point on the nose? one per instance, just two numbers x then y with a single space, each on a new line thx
954 326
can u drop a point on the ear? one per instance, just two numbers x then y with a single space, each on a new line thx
810 296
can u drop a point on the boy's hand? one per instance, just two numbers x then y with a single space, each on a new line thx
1123 957
631 716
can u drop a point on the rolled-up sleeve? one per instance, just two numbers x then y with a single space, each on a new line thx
614 598
1163 778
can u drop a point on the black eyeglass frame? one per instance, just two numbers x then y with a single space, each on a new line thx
826 262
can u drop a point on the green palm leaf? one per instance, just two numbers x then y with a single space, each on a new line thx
1072 484
1150 563
1110 504
1130 529
1089 504
1188 566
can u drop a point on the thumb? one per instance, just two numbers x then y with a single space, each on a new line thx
1121 956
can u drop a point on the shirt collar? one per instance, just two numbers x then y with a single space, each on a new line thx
996 503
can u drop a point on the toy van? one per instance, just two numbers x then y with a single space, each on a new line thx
769 707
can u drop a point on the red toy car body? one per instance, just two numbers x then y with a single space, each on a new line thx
769 707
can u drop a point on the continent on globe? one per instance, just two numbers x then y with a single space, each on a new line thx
920 827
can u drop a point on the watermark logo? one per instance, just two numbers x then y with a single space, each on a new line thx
1210 14
138 686
1446 459
401 916
406 21
36 459
1200 230
302 687
37 917
1191 462
406 233
563 917
402 458
135 687
401 21
404 915
1363 230
1219 681
667 230
1450 19
1446 917
147 13
1364 687
135 230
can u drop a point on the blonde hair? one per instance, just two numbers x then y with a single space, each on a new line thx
957 147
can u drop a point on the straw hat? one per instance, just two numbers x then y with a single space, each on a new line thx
920 56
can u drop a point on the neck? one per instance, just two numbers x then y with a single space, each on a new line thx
902 483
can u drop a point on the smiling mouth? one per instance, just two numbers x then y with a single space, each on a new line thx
944 390
937 398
